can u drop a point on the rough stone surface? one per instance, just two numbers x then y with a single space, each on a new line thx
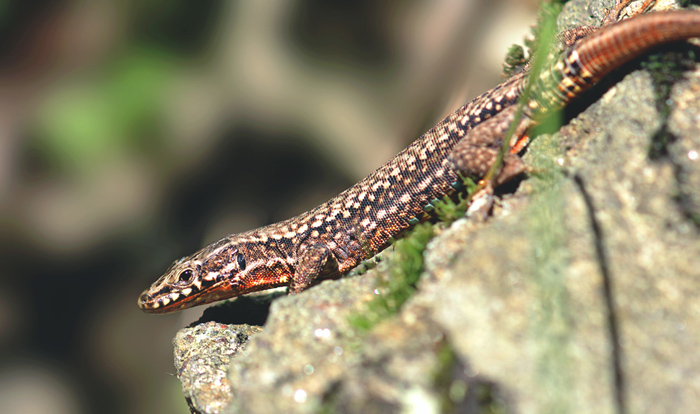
579 294
202 355
306 345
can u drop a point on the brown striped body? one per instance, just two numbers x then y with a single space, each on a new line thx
335 236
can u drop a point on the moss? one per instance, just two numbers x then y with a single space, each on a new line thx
405 268
406 263
515 60
544 39
447 210
517 57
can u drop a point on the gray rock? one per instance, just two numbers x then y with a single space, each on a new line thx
202 355
306 346
582 299
577 295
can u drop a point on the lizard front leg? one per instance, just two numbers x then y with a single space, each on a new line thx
314 261
474 154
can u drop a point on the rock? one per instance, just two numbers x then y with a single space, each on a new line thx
202 355
307 344
578 294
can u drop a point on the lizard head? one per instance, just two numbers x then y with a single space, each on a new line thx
210 274
224 269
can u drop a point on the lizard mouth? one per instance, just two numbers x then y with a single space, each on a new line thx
150 304
167 301
147 303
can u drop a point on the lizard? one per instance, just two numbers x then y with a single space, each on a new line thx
336 236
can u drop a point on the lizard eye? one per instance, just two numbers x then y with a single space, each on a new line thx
185 276
241 262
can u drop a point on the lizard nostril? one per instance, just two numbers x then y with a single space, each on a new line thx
143 299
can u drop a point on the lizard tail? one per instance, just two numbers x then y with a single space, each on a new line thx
598 54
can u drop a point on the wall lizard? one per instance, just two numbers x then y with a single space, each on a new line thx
336 236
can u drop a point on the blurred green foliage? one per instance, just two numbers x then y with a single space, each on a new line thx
114 108
86 123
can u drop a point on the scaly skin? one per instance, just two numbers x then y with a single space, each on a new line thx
359 222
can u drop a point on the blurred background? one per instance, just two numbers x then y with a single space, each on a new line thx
134 132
